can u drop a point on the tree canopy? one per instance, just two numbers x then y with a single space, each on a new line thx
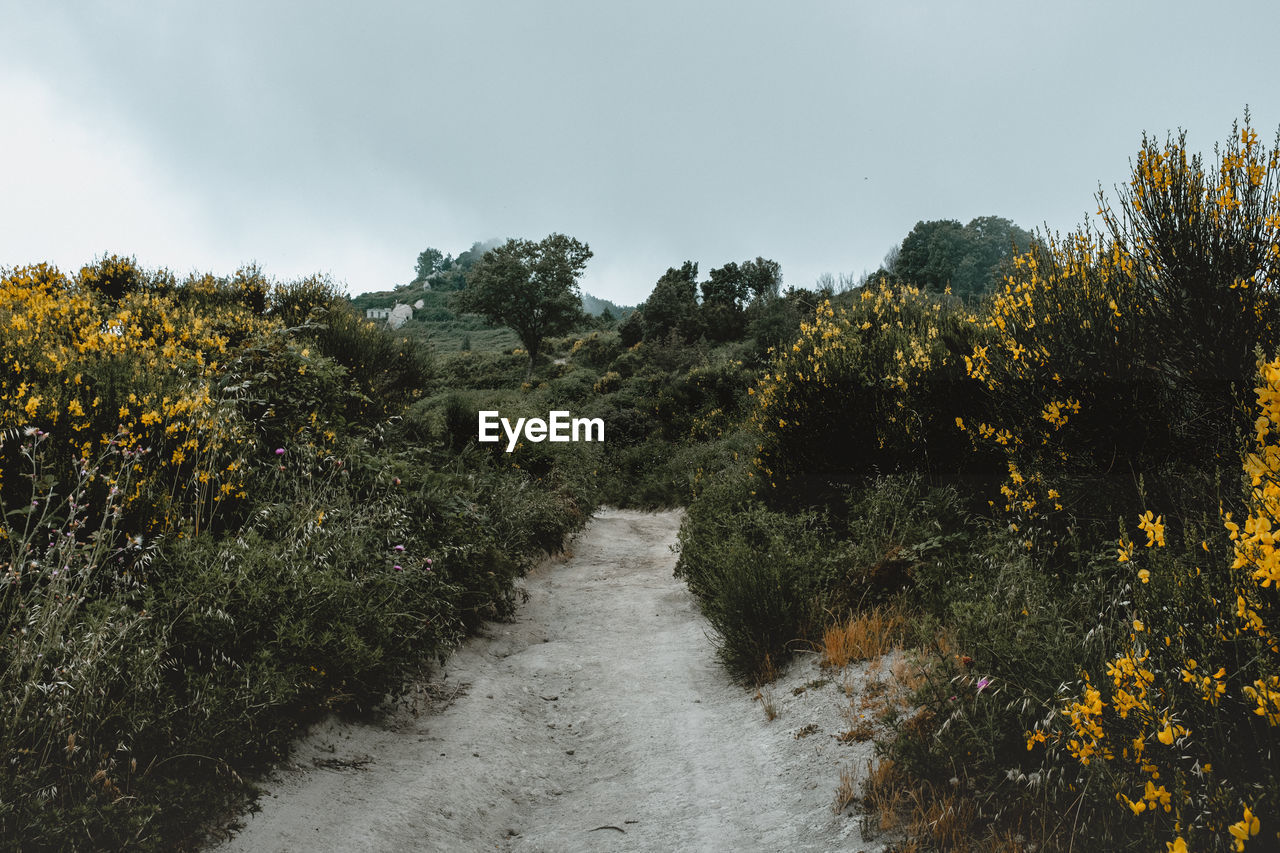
444 271
529 287
942 253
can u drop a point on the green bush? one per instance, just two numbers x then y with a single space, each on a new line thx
263 538
876 387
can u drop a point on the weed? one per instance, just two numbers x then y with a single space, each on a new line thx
767 701
846 794
864 636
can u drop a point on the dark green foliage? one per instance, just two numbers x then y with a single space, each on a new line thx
723 296
430 262
482 369
597 350
673 305
762 278
969 258
298 301
749 569
734 298
774 323
631 330
1207 291
441 272
386 371
530 287
113 276
194 651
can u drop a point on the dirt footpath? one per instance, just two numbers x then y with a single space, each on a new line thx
597 720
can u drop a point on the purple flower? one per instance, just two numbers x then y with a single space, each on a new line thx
428 561
399 569
398 548
982 683
279 451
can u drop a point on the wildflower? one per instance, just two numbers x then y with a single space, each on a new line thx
398 548
983 683
1138 808
1153 527
1244 829
398 567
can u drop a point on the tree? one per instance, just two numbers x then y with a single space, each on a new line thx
529 287
673 304
930 254
763 279
722 298
430 262
631 329
969 258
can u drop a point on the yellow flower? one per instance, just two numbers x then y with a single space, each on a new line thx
1244 829
1153 527
1138 808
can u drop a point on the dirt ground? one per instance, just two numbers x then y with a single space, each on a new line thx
598 720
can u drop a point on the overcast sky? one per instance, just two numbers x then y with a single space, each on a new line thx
345 138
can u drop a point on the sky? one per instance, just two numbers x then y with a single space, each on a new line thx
344 138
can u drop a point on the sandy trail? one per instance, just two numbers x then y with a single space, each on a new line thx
597 720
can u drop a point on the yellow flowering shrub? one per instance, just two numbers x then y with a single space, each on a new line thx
109 359
1116 358
1190 715
875 384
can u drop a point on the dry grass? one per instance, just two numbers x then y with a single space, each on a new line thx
860 732
865 636
846 792
929 817
766 699
883 793
768 671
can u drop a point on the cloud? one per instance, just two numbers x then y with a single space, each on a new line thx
343 138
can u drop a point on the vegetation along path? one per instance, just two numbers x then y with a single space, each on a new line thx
598 720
